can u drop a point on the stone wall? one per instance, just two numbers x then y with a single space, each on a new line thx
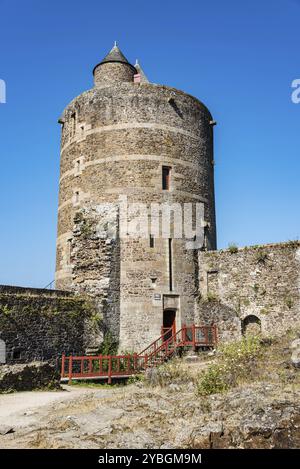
95 260
29 376
115 142
38 324
107 73
260 282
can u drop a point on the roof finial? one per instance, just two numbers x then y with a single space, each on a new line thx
115 44
136 62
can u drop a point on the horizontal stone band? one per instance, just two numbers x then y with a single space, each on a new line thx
129 191
133 125
134 157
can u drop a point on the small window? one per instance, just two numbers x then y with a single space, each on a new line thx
77 166
151 241
16 354
76 197
69 249
166 178
73 123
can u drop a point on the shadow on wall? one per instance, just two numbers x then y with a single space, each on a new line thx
227 320
230 325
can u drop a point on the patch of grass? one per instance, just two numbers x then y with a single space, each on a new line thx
172 372
93 384
136 379
211 297
261 257
237 362
289 302
213 381
242 350
233 248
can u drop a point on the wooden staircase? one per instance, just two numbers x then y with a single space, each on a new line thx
123 366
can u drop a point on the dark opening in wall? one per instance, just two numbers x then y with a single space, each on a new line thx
16 353
166 178
251 325
151 241
73 124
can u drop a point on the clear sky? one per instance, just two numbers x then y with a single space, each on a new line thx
239 58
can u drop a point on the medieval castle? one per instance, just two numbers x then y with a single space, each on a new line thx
129 139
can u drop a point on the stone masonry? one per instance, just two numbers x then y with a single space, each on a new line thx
38 324
116 140
258 283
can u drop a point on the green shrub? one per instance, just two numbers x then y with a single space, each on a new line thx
233 248
237 362
213 381
211 297
136 379
261 257
109 345
242 350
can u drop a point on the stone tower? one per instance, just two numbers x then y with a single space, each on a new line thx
127 141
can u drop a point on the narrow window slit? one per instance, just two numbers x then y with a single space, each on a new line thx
166 178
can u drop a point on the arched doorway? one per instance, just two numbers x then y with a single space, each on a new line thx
251 325
2 352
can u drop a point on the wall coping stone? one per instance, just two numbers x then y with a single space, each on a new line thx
16 290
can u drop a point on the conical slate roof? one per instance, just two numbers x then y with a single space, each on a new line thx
115 55
139 70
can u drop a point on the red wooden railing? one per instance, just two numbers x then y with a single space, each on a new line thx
109 366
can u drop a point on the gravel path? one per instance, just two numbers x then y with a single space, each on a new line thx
21 408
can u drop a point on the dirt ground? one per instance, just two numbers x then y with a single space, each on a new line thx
20 408
259 416
25 415
164 410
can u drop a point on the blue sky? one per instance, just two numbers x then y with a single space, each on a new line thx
239 58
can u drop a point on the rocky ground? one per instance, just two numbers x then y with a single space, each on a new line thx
165 411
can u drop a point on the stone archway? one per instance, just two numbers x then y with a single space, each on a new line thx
2 352
251 325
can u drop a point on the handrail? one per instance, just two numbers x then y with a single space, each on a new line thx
155 341
125 365
101 366
168 342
